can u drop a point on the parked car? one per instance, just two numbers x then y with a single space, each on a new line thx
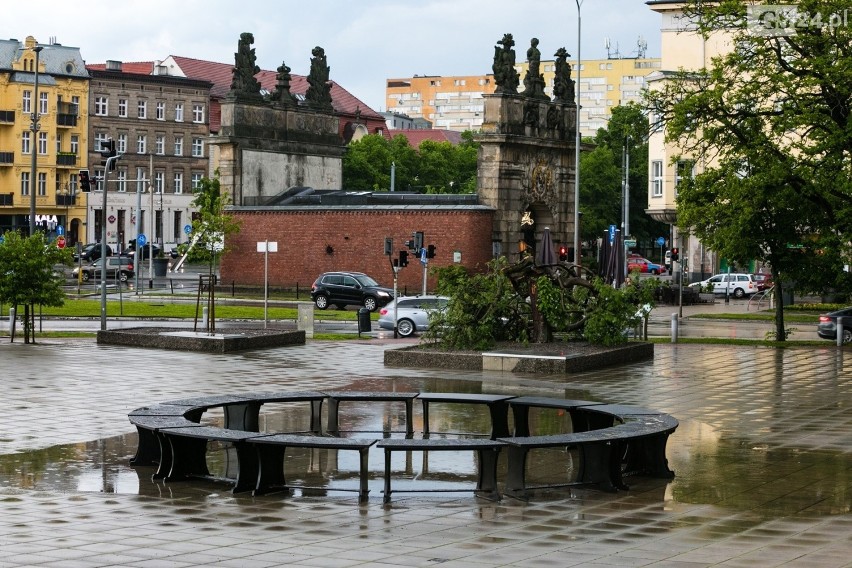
91 252
412 313
644 265
827 326
120 266
343 289
764 281
734 284
146 250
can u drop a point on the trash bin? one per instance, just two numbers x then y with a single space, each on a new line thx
364 320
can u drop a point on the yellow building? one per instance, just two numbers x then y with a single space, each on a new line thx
455 103
681 48
52 79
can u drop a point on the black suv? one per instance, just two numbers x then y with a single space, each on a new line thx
91 252
349 289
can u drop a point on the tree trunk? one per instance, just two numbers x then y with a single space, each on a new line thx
780 334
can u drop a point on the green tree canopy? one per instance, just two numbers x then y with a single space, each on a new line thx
769 123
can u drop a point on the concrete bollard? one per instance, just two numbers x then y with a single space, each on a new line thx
204 317
839 333
674 328
306 319
11 320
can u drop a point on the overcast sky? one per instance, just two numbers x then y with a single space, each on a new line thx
365 41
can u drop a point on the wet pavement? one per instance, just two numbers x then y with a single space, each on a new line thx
762 456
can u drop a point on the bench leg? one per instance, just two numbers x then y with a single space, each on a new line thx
409 418
147 448
648 456
387 496
165 457
333 411
425 419
188 457
270 468
516 484
364 475
316 417
247 468
595 465
488 473
243 416
499 419
521 415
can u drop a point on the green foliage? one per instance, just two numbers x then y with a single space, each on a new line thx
483 308
434 167
213 224
612 314
27 277
554 303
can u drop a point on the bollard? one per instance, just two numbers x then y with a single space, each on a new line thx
11 320
204 317
674 328
839 332
306 319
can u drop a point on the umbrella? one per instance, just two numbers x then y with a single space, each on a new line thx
545 255
611 267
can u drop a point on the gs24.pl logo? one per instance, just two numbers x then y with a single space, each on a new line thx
787 20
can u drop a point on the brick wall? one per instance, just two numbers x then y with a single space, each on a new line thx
356 238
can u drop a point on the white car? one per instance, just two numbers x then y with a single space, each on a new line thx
412 313
733 284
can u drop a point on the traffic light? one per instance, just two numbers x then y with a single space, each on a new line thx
430 251
409 244
85 182
418 241
563 253
403 258
675 254
388 246
108 151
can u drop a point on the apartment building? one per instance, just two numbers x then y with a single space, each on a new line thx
52 81
160 125
456 103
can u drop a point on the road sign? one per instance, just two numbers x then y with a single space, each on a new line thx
629 243
611 234
267 246
187 229
60 230
660 241
423 255
60 242
141 240
2 239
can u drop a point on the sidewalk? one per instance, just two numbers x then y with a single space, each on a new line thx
763 462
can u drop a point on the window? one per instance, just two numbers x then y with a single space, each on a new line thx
178 145
72 180
121 144
159 181
683 169
122 108
27 102
140 180
196 180
657 178
161 144
197 113
140 144
142 109
42 143
58 143
75 144
122 180
197 148
25 183
179 112
42 100
177 227
25 143
100 139
75 100
101 106
178 182
42 184
161 111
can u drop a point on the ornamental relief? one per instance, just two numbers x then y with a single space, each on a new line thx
539 184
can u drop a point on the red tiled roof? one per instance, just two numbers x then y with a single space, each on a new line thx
135 68
221 74
415 137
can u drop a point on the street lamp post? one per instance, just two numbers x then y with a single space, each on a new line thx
34 126
577 251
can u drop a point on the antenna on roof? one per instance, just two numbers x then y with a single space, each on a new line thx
641 47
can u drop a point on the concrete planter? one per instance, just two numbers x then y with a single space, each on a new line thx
161 266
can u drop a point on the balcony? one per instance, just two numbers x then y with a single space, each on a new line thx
66 115
7 158
66 160
66 200
7 117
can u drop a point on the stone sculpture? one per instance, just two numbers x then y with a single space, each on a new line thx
319 89
282 94
505 75
243 84
563 84
534 80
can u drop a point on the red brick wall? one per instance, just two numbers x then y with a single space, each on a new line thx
357 239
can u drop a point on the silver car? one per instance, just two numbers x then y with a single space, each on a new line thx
412 313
